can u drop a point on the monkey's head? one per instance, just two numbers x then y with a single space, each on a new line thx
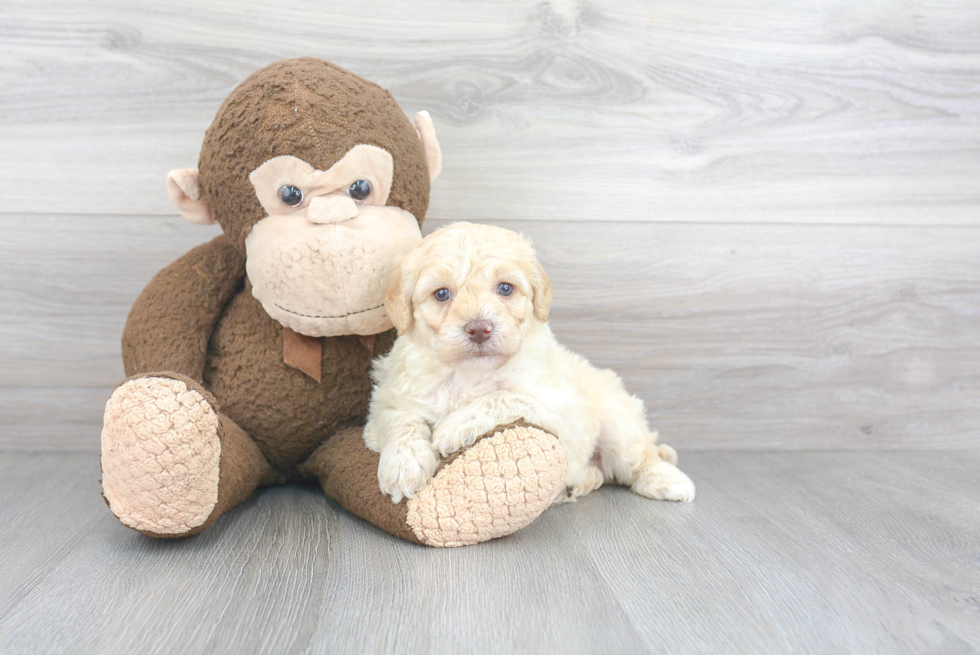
320 179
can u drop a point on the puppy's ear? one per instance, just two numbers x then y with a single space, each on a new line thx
398 298
541 287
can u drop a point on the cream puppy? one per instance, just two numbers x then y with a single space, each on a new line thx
474 351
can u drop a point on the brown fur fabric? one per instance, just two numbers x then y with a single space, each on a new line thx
286 413
313 110
348 473
171 322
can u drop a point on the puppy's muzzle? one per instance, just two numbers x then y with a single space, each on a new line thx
479 330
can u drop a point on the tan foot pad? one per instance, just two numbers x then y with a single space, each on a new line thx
496 487
160 452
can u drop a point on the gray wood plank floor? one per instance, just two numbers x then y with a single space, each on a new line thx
822 552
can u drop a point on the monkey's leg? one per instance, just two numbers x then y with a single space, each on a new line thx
171 463
493 488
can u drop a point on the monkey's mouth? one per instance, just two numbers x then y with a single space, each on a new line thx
362 311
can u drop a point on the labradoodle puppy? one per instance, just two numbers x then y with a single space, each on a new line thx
475 351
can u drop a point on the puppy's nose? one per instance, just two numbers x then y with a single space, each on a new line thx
479 330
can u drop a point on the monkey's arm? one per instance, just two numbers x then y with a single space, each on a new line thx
171 322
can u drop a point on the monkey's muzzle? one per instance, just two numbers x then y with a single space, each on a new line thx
323 277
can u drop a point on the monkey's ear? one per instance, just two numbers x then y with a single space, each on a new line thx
398 299
184 189
427 134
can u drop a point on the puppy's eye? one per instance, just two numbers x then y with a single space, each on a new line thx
505 288
291 195
442 295
359 190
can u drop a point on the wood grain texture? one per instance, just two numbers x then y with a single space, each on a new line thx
709 156
765 216
788 552
666 111
736 336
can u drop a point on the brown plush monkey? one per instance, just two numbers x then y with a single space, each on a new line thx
249 357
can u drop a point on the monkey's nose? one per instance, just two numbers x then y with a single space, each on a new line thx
479 330
333 208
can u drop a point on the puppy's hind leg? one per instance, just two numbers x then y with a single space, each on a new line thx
667 454
656 475
630 452
664 481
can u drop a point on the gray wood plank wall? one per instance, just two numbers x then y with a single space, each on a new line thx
765 216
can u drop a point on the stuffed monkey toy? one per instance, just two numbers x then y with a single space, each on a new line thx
249 357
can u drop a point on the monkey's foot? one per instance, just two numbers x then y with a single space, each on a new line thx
160 454
491 489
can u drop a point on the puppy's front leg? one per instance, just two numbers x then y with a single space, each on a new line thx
408 459
464 426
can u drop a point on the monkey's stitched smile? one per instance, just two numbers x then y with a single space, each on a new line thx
289 311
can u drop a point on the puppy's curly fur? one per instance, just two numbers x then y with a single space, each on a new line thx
475 351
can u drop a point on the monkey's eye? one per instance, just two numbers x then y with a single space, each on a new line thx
290 195
505 288
442 295
359 190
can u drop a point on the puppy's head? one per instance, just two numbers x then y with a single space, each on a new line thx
472 291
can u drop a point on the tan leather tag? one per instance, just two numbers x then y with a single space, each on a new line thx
368 342
302 352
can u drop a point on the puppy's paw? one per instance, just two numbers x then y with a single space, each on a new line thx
454 434
405 468
592 481
667 454
664 481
